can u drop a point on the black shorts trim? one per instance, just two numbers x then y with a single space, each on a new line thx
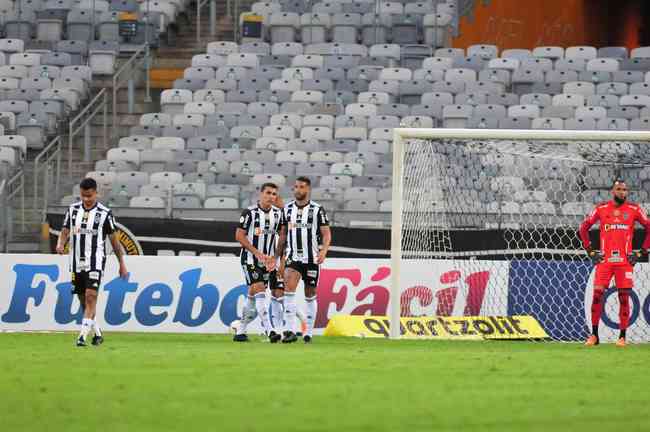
81 281
308 272
275 282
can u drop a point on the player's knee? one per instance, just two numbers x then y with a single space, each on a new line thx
91 297
310 291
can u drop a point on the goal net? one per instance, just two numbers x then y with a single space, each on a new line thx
485 224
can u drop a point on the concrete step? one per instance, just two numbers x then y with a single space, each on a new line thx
26 247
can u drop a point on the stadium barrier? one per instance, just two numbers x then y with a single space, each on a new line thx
205 294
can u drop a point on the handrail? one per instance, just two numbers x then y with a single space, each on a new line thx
4 219
213 17
13 190
100 101
53 150
130 68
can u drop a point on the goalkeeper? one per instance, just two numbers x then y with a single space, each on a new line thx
615 258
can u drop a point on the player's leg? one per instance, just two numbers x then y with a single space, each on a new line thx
79 288
258 292
90 295
276 284
624 285
249 313
311 305
98 338
292 276
602 278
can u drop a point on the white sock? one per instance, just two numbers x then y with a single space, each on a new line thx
276 313
311 306
248 315
96 329
86 325
263 311
290 312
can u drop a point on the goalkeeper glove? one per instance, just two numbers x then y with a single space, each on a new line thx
595 255
635 256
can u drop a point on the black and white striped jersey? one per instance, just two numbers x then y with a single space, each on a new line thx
262 228
303 230
88 231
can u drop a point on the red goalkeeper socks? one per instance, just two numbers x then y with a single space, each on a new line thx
596 307
623 309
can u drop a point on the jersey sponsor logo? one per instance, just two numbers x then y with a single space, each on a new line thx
125 237
84 231
299 225
612 227
268 231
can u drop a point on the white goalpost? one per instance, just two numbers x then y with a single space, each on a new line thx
484 223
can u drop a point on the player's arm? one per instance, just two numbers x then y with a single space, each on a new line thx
64 235
643 219
583 233
111 232
282 242
240 235
326 235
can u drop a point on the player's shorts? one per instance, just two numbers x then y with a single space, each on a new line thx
309 272
275 283
254 274
622 275
81 281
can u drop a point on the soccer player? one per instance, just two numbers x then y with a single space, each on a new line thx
306 237
86 224
257 232
615 258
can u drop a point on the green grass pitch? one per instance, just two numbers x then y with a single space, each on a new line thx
160 382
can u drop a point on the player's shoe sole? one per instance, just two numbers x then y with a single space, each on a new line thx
81 342
621 342
307 339
97 340
240 338
274 337
289 337
592 341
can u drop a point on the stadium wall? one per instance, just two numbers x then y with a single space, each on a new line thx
204 295
527 24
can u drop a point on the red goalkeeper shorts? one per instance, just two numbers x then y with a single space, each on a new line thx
622 275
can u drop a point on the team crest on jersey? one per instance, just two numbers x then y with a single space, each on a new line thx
625 215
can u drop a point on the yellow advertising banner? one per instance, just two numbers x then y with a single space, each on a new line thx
517 327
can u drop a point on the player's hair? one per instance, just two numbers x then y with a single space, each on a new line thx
304 180
618 180
88 184
268 185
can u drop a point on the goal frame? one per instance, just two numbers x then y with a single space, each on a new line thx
401 135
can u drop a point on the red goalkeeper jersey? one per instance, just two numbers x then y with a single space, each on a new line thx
616 229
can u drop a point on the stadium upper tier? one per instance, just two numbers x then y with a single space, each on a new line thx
324 103
41 24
